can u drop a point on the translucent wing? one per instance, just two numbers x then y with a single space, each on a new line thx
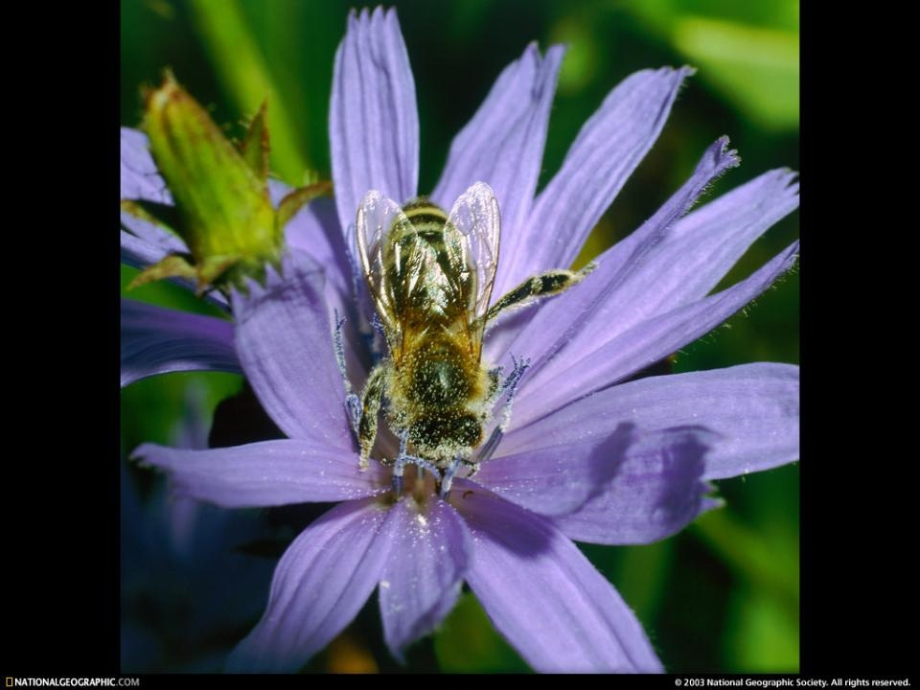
378 217
475 216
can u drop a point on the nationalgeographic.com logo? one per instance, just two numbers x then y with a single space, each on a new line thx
110 682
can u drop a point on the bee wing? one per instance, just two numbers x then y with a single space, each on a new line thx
475 216
378 216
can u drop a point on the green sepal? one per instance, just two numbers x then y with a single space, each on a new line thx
297 199
214 267
172 266
162 215
256 147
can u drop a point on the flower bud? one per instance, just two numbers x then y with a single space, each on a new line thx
223 210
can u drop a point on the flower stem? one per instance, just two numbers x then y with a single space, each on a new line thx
243 69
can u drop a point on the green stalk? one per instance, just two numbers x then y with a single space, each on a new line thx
751 555
245 74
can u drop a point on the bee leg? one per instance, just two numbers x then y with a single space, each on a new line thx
510 385
514 378
352 402
371 399
448 479
404 459
495 383
339 343
535 287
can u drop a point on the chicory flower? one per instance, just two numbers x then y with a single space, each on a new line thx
590 455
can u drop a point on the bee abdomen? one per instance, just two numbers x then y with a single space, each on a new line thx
440 436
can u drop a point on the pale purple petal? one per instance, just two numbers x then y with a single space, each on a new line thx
270 473
139 176
139 253
155 340
373 122
144 243
701 248
421 580
503 144
648 342
314 229
601 306
607 150
285 344
320 584
753 409
544 596
152 233
637 485
553 477
655 491
141 181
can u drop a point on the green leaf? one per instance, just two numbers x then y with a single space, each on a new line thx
762 635
756 68
752 556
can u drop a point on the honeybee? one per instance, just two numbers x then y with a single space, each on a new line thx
430 276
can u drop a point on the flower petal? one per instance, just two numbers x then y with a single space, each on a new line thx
155 340
642 345
552 478
285 344
701 248
153 234
320 584
373 120
632 487
544 596
602 307
503 144
608 148
655 492
753 408
139 176
431 552
139 253
269 473
315 230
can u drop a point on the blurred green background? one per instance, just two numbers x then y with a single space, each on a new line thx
724 594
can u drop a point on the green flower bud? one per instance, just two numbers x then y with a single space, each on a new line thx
222 206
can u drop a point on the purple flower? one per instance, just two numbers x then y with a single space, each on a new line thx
590 455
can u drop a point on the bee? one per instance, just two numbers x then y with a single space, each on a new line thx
430 276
